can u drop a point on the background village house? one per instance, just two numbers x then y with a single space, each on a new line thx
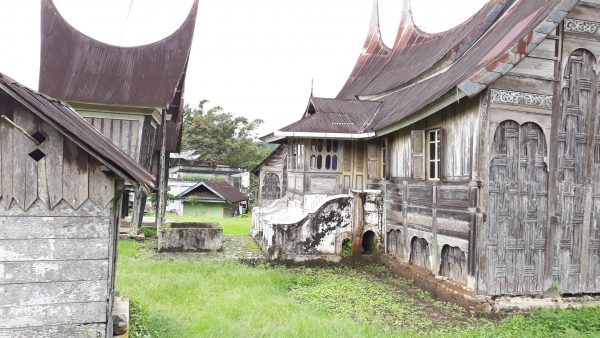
185 173
132 95
61 188
213 199
481 140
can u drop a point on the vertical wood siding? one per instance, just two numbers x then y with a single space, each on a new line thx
56 236
125 134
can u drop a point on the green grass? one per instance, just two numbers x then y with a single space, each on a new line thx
237 226
182 298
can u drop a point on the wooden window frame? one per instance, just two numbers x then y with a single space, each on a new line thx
436 159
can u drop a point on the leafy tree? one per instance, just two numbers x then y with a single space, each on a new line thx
219 136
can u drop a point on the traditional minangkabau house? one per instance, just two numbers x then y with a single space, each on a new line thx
133 95
61 189
482 140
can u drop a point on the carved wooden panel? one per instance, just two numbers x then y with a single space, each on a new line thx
454 264
518 201
419 252
576 259
270 189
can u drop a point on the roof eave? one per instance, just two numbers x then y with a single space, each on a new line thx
447 99
280 135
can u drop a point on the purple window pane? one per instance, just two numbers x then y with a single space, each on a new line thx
335 146
319 145
327 162
328 145
319 162
334 162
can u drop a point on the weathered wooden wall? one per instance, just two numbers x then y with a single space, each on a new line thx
57 234
269 170
512 237
424 215
133 137
541 232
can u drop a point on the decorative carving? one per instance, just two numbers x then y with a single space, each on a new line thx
582 26
521 98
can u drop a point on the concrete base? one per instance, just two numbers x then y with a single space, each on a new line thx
180 237
121 317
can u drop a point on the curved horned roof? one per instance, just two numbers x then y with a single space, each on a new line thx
77 68
422 73
415 53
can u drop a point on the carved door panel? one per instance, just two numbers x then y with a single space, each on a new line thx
572 173
518 196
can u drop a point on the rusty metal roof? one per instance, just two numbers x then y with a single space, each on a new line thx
335 116
421 68
62 117
222 189
511 33
76 68
415 54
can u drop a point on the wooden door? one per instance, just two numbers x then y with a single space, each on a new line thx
574 197
515 233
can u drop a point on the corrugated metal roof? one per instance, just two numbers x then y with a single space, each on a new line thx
335 116
62 117
415 53
225 190
516 24
509 35
77 68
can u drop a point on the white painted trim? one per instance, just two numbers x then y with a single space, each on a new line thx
279 135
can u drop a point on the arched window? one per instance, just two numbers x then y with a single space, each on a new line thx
271 189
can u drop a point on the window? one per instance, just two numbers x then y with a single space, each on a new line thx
433 154
324 154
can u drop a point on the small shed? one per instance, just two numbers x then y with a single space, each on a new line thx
213 199
61 184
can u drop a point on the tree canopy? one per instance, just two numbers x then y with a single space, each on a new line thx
220 136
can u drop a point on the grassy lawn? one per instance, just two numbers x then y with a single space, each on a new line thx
182 298
238 226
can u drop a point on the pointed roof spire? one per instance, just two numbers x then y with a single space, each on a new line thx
374 42
407 26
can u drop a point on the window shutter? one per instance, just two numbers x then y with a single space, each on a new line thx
373 166
359 166
347 160
418 154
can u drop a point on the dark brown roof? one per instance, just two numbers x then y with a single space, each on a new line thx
77 68
222 189
421 67
335 116
415 53
512 32
62 117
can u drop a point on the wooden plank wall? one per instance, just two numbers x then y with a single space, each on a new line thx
512 237
125 134
273 166
423 215
554 92
56 236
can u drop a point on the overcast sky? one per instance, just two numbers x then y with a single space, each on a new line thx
254 58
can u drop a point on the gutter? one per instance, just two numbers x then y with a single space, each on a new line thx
279 135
